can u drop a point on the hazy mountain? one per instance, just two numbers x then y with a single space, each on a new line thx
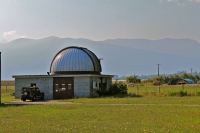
120 56
183 47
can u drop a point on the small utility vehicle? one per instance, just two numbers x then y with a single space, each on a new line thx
31 93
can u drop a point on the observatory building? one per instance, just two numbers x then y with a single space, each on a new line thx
74 72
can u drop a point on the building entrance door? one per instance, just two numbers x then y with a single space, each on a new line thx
63 88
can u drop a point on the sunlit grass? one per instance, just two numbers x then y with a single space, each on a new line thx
142 100
149 113
100 118
164 89
7 93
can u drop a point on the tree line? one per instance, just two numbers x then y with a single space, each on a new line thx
162 79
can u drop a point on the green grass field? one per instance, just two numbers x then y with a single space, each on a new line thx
148 113
191 90
6 93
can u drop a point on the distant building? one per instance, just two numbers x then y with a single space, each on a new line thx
181 81
74 72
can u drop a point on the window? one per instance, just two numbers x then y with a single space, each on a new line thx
56 87
95 85
25 89
33 84
63 86
69 86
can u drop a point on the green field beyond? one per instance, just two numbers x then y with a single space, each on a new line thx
148 113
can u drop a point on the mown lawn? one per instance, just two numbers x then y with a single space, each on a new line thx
107 114
187 100
7 93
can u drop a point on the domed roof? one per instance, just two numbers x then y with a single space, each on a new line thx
75 60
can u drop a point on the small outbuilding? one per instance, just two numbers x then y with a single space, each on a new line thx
74 72
181 81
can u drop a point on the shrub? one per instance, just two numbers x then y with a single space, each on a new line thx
118 88
156 82
133 79
133 95
178 93
198 93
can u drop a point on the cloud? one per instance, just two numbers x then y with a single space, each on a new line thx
175 1
181 4
172 0
194 1
161 1
11 35
168 1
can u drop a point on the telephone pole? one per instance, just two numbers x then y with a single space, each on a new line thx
158 80
191 70
0 77
158 68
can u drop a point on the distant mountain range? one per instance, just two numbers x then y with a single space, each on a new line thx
120 56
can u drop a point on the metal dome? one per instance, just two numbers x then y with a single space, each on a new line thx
75 60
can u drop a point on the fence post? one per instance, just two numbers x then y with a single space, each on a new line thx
183 86
159 89
137 90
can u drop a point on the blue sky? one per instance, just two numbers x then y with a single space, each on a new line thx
99 19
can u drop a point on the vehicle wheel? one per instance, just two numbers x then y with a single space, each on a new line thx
34 98
42 97
24 99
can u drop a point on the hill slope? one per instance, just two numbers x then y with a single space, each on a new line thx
120 56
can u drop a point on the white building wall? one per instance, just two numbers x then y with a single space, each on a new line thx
81 87
45 85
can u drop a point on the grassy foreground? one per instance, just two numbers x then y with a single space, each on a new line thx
148 113
100 118
6 93
105 115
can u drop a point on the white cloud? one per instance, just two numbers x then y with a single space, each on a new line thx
194 0
172 0
11 35
175 1
181 4
168 1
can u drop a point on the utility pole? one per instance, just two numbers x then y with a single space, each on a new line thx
0 77
191 70
159 80
158 68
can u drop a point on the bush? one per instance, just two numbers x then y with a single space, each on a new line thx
178 93
133 79
118 88
156 82
198 93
